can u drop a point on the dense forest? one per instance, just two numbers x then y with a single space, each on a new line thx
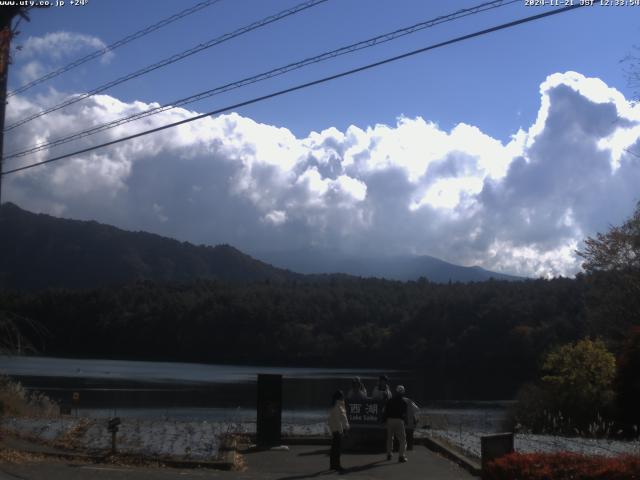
488 336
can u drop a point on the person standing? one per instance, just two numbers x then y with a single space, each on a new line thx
395 414
381 392
412 420
338 424
357 392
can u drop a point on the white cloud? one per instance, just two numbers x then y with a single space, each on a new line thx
522 206
276 217
38 55
60 45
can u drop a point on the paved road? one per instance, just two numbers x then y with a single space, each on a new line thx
300 462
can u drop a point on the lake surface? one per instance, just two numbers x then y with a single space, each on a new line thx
187 391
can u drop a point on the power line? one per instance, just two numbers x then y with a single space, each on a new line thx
267 75
631 152
172 59
114 45
305 85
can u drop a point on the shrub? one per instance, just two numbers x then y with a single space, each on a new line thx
563 466
16 401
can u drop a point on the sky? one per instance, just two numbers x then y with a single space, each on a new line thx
504 151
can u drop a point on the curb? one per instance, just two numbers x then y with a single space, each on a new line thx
442 448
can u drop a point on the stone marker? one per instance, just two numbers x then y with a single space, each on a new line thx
269 406
494 446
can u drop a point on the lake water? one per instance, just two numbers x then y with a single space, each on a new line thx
187 391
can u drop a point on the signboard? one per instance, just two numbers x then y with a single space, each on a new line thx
365 412
269 409
113 423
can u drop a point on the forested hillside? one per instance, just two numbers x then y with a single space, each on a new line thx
486 336
41 251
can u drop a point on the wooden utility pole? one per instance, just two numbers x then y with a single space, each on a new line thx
6 16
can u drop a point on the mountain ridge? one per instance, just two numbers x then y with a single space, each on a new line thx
42 251
393 267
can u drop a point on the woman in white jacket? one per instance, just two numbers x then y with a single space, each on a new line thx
338 424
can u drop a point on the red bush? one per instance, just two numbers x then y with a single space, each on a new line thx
563 466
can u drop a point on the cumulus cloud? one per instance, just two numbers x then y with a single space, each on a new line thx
521 206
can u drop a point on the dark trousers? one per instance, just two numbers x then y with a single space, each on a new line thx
409 438
336 440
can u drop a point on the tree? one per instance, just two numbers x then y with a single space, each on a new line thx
612 264
627 385
580 377
616 250
16 333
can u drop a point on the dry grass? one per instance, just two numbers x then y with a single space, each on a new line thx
18 457
72 438
16 401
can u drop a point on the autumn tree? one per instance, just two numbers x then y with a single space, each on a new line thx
617 250
579 377
612 264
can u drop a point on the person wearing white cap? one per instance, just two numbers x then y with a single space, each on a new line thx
395 414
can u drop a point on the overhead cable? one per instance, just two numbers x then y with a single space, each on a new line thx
266 75
109 48
170 60
346 73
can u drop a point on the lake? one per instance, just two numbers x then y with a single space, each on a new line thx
190 391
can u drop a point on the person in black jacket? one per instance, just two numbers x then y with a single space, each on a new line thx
395 414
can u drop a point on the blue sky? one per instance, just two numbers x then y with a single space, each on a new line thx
491 82
503 151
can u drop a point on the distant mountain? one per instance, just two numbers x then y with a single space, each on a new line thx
39 251
398 267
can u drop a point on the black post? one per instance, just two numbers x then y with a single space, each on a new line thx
269 410
112 426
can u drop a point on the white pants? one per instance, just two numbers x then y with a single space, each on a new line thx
395 428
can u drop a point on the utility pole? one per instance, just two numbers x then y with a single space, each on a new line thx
6 17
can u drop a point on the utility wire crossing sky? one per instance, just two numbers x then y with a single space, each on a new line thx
303 86
274 72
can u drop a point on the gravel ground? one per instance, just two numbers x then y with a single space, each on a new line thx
199 439
183 439
469 442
